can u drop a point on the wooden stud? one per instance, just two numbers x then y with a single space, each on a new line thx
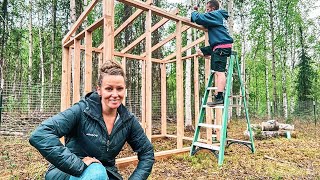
80 20
108 30
124 63
139 39
143 95
81 35
148 76
88 63
76 72
158 11
65 81
179 82
163 99
196 90
208 110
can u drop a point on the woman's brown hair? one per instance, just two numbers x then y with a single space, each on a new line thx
110 68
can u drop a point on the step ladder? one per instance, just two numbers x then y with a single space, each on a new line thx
219 146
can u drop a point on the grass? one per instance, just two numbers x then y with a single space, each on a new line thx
276 158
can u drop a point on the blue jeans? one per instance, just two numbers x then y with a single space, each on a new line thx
94 171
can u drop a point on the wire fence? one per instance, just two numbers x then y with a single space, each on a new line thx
24 108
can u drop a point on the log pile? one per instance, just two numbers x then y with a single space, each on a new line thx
271 128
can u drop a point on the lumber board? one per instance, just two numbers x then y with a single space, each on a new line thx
158 11
88 63
81 35
76 25
179 87
163 99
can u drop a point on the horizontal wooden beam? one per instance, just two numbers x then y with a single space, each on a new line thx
185 48
127 22
158 11
81 35
169 38
82 47
183 58
132 56
124 162
76 25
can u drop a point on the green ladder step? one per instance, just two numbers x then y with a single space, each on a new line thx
207 146
215 107
212 88
210 126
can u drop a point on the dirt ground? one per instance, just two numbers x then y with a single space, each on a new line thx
275 158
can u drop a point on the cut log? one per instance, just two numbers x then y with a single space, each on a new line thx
270 134
270 126
287 127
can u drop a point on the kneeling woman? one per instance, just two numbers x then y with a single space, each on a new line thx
95 130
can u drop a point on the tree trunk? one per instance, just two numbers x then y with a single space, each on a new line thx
293 57
3 36
41 65
274 82
30 57
284 68
53 39
188 116
267 83
242 58
73 13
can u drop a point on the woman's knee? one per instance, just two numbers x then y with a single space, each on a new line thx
96 170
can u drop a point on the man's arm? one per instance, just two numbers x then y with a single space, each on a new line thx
204 19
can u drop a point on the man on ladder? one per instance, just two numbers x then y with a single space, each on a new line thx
215 20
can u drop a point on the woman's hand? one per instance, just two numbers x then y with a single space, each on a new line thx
88 160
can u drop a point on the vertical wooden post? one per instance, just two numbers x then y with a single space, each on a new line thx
196 90
108 29
143 95
76 72
208 110
123 62
179 82
148 76
88 63
163 100
65 81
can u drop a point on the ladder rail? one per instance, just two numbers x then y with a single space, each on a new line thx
223 132
245 107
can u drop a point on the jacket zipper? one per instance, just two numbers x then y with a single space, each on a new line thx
108 143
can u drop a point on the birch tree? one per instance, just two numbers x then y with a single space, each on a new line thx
53 39
274 82
187 101
30 55
41 62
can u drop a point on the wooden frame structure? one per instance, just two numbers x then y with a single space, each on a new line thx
72 49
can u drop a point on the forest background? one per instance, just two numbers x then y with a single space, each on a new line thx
278 43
